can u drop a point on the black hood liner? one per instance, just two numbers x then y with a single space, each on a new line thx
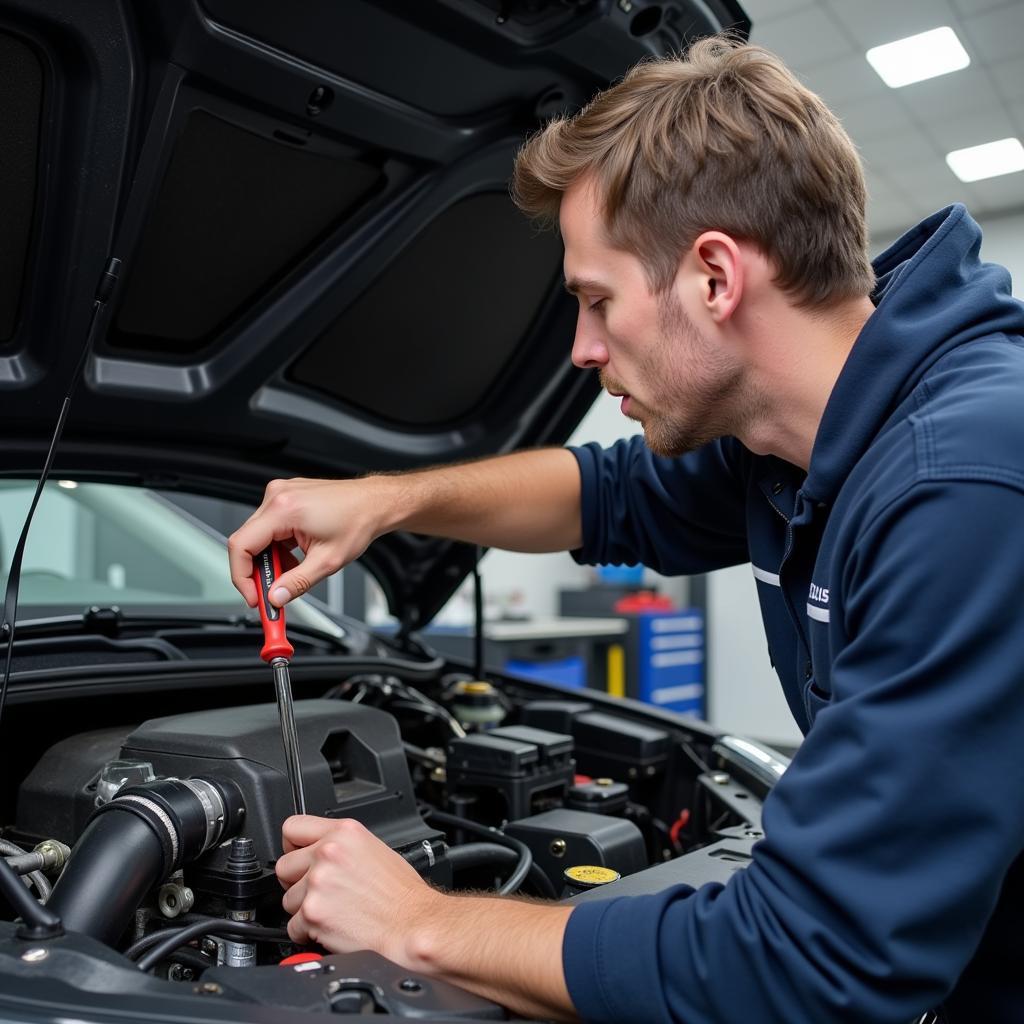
323 272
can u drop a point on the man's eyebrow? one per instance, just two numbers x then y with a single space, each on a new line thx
576 285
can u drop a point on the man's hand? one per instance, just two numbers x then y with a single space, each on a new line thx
332 521
347 890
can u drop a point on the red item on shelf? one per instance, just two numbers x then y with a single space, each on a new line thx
644 601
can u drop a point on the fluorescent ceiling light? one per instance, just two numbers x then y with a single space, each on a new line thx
988 160
918 57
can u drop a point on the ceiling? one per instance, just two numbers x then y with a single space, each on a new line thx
904 134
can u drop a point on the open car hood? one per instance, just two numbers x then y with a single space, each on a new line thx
322 272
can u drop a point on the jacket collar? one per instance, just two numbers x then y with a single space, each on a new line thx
932 294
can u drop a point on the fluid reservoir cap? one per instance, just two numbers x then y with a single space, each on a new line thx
118 774
589 876
475 702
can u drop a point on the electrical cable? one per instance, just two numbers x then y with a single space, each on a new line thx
408 698
236 930
108 281
189 957
522 869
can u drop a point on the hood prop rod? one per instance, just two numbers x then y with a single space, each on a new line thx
105 289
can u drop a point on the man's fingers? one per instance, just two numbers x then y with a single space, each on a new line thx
248 540
292 867
291 902
305 829
298 931
306 574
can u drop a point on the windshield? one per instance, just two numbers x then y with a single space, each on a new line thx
108 544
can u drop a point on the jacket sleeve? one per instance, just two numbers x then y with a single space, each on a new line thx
890 835
676 516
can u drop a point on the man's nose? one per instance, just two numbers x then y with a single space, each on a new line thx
588 348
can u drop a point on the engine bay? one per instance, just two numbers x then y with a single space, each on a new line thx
158 840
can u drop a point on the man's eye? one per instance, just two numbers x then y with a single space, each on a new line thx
594 307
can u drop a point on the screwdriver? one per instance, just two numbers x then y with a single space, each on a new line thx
277 652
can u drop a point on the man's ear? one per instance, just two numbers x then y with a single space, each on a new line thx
719 262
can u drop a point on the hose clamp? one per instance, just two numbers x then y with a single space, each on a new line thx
155 809
213 809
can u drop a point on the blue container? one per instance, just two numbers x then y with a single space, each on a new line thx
621 575
564 671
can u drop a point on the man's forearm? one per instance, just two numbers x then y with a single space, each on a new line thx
528 501
507 950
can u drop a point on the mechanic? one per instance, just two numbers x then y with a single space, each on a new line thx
856 434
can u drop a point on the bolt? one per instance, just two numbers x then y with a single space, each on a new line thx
720 779
33 956
625 6
753 833
174 899
242 848
210 988
557 848
410 985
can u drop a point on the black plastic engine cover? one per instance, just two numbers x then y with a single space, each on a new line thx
353 765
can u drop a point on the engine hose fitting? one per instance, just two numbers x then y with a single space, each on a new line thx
136 841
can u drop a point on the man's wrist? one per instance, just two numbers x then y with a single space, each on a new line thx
418 946
398 499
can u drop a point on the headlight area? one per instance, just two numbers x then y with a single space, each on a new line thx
175 826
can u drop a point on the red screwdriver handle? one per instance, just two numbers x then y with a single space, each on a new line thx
266 569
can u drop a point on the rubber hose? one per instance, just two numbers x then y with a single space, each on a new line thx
518 876
476 855
117 860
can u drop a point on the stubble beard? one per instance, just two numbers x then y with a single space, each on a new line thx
694 389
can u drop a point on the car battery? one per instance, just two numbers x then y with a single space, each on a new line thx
606 745
509 772
565 838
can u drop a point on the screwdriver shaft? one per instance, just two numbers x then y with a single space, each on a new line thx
289 735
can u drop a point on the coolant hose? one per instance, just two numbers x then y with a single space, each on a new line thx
136 841
491 855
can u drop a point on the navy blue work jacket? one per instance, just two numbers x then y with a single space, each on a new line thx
891 583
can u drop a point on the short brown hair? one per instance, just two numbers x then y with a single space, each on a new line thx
724 138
